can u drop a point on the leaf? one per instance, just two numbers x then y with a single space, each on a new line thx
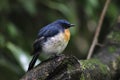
29 6
20 55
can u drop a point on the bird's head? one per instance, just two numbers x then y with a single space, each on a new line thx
64 23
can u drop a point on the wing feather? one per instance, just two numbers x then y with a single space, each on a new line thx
43 35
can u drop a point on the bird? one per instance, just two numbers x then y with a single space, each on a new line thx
52 39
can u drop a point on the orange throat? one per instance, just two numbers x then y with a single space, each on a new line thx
67 35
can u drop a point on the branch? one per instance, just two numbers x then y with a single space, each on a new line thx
95 39
51 68
70 68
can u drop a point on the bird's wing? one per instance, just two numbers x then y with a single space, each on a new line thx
48 31
37 45
43 34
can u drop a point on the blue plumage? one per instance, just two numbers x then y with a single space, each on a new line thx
53 28
48 31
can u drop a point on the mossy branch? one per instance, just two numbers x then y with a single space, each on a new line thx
105 65
70 68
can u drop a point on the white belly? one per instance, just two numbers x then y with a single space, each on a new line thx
55 45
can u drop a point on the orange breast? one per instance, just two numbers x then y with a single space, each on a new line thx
67 34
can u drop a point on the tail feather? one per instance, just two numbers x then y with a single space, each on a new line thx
34 59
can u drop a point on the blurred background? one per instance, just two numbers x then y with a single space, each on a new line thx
20 21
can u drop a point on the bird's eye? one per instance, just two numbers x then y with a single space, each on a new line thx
65 25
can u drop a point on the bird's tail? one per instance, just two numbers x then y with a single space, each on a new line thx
34 59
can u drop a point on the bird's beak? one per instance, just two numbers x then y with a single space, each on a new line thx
71 25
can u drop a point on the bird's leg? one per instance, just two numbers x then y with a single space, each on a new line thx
54 55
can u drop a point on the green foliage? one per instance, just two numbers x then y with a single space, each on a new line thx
12 30
111 49
20 21
4 5
29 6
20 55
115 36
